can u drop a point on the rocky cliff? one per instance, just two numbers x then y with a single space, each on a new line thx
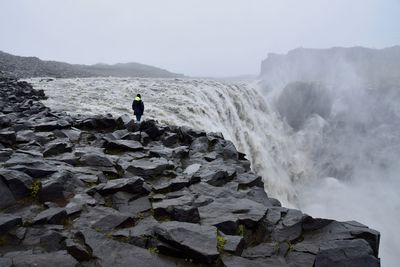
27 67
103 191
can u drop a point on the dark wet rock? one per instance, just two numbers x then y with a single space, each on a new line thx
8 222
258 194
51 216
185 213
215 175
56 148
229 150
129 185
68 158
35 169
211 156
227 214
249 180
126 122
102 219
148 167
123 145
59 186
113 253
29 258
166 206
96 159
6 197
151 128
312 224
139 234
199 145
78 203
298 259
51 126
361 231
18 182
27 136
5 154
5 262
159 151
165 185
170 139
72 134
187 135
88 178
262 250
234 261
233 244
132 136
198 242
346 253
122 199
78 250
100 123
8 138
136 206
307 247
290 228
47 238
5 121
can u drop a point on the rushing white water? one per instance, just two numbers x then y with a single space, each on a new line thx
343 167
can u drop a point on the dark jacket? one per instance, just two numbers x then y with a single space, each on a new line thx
138 107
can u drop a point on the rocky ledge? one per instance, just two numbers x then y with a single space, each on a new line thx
102 191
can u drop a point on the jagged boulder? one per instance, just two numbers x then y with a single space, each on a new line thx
195 241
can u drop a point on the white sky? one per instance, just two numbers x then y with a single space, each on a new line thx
193 37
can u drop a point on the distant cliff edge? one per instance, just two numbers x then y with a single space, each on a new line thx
27 67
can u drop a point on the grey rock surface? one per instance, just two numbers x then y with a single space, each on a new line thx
101 191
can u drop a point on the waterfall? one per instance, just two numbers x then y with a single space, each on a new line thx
342 166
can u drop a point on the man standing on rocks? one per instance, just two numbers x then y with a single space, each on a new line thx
138 107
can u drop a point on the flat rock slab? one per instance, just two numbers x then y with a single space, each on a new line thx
124 145
28 258
227 213
18 182
354 253
51 126
101 219
113 253
8 222
130 185
6 197
148 167
234 261
51 216
136 206
53 149
8 138
198 242
234 244
96 159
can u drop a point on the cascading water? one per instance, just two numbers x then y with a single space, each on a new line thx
341 167
238 110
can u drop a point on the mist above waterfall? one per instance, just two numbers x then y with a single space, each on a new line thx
355 149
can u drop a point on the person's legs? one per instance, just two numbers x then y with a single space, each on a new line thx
138 117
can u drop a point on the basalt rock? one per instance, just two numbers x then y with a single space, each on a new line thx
101 191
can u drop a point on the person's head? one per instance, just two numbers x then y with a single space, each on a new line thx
138 95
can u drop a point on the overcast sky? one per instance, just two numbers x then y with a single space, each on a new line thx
194 37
